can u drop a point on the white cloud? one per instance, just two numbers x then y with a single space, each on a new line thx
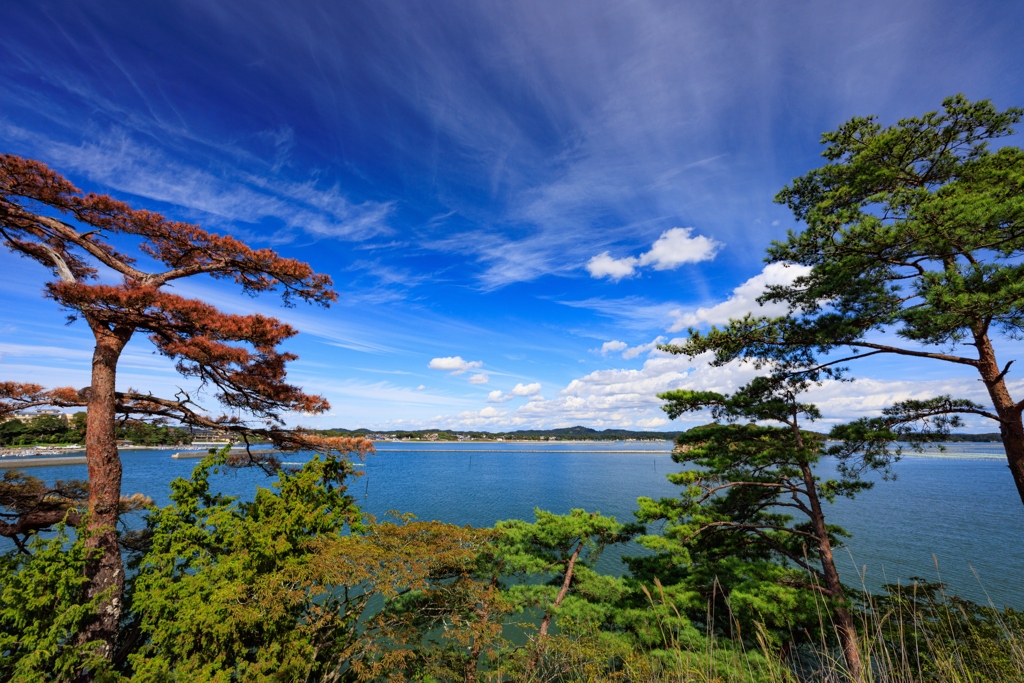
675 247
613 346
525 389
421 387
454 364
642 348
628 352
672 249
603 265
630 312
479 378
489 416
120 162
520 390
624 398
743 299
627 398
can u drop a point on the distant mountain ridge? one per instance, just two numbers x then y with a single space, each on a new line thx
577 433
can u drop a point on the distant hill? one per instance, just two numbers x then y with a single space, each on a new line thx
975 438
577 433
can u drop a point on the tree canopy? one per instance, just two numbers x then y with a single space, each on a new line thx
80 236
913 231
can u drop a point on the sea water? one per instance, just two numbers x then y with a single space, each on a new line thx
956 510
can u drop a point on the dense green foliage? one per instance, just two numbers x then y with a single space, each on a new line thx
51 429
43 609
298 584
916 228
912 246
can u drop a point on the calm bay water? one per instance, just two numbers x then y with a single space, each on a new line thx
959 506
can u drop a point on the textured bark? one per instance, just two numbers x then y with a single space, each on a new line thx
105 570
32 522
484 612
845 626
545 624
569 569
1011 427
237 355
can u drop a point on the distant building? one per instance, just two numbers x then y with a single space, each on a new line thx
207 434
43 412
380 437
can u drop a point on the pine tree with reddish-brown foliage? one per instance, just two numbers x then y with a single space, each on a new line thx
73 235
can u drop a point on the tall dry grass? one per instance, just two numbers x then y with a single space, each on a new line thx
916 633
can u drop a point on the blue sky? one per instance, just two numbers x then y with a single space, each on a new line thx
515 200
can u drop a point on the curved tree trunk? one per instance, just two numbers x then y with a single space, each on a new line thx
106 569
1011 428
484 613
545 623
846 629
570 567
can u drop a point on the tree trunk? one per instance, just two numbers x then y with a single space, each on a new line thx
484 613
570 567
545 624
105 570
846 629
1011 428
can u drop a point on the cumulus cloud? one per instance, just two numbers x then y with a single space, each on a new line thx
604 265
489 416
525 389
421 387
674 248
635 351
479 378
743 299
624 397
454 364
613 347
520 390
628 398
